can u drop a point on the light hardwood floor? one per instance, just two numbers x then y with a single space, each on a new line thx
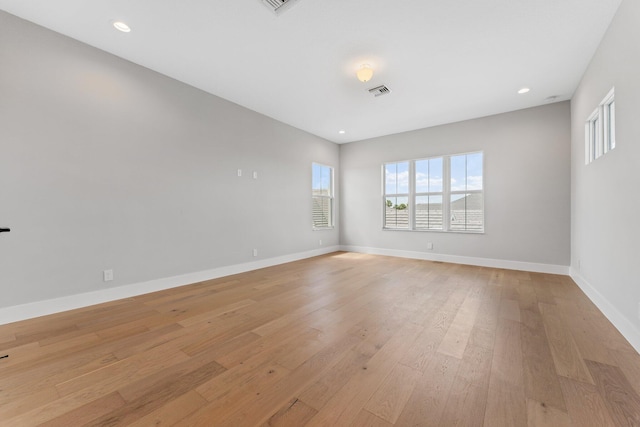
339 340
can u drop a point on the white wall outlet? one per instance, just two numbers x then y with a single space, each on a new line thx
107 275
255 252
255 175
430 246
239 172
320 242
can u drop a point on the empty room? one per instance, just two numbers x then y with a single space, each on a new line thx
319 213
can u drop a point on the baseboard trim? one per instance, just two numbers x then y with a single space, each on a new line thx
455 259
621 323
71 302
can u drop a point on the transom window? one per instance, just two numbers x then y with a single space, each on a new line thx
600 129
439 193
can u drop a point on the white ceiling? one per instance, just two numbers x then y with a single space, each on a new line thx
444 61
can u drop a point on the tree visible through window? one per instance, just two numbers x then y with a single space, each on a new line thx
441 193
396 195
322 196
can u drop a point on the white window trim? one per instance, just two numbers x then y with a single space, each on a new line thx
330 197
446 194
599 132
593 136
609 129
407 195
445 207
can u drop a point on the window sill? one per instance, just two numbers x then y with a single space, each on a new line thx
435 231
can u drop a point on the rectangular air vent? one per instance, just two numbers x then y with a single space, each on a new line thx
278 6
380 90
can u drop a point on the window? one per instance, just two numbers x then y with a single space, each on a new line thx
593 136
322 196
396 195
600 129
466 209
440 193
429 193
609 121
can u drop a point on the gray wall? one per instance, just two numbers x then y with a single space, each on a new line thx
526 181
605 199
105 164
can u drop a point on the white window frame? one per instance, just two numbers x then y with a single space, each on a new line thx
330 198
411 170
465 191
416 194
608 106
599 130
593 137
446 195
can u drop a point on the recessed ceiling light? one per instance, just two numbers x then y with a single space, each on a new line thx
121 26
524 90
342 132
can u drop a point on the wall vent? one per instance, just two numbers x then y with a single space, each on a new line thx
380 90
278 6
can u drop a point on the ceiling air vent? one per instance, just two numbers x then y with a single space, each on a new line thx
278 6
380 90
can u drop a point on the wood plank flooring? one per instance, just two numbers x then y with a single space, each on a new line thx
338 340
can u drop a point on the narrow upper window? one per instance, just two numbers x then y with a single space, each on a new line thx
600 129
322 196
609 117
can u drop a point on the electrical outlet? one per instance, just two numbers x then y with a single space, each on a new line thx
239 172
430 246
638 310
107 275
320 242
255 175
255 252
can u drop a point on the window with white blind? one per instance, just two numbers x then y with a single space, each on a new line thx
396 197
429 189
322 196
440 193
600 129
466 207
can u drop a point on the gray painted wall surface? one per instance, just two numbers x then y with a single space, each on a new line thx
605 199
105 164
526 181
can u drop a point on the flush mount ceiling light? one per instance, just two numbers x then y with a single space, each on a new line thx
121 26
365 73
342 132
524 90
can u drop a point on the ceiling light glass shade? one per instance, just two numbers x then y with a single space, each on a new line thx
121 26
364 73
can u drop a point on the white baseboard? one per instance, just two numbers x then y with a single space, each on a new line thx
57 305
621 323
455 259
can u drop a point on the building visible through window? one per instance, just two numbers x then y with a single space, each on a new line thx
440 193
